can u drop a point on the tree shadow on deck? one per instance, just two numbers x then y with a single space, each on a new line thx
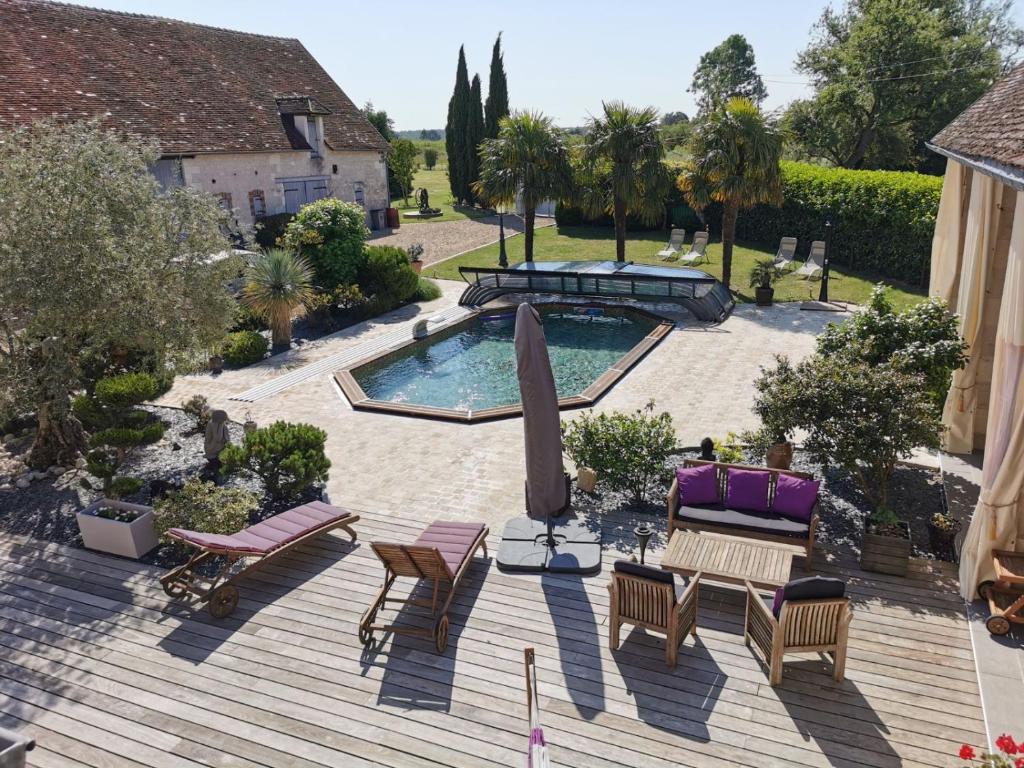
415 676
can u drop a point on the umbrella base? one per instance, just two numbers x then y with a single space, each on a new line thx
526 548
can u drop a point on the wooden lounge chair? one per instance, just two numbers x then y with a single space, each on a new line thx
261 542
803 624
815 261
675 245
786 253
442 555
1005 595
698 249
649 598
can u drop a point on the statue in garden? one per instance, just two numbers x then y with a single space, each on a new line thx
424 199
216 437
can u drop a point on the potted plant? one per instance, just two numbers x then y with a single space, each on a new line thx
943 529
117 527
886 546
776 403
762 277
250 423
415 252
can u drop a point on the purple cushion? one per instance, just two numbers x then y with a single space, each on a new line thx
698 485
747 489
777 602
453 540
795 497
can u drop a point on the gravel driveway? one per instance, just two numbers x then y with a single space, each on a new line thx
442 239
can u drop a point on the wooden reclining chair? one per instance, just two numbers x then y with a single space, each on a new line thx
808 615
647 597
442 555
260 543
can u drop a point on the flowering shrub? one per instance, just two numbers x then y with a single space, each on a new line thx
330 233
1005 758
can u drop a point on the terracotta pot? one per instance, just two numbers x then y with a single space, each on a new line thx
586 479
780 456
417 266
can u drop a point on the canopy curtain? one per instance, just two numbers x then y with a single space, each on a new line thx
949 234
958 414
998 520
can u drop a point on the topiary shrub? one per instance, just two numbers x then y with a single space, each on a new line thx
244 348
387 277
289 458
203 506
198 407
271 228
627 450
330 233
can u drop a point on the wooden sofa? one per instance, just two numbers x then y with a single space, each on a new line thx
752 525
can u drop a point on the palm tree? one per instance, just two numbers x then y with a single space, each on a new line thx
528 158
735 153
621 170
278 282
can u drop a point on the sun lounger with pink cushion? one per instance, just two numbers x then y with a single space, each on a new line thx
441 555
260 543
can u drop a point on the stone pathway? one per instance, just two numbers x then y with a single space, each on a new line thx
443 239
702 375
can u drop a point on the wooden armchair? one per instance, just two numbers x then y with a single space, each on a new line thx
646 597
810 625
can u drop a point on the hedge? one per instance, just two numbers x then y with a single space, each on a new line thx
883 221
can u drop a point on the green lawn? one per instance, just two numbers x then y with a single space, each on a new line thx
585 243
436 184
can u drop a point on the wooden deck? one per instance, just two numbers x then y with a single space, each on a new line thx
103 670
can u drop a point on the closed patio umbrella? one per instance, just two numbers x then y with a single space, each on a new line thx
998 519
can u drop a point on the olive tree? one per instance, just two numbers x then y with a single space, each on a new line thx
95 257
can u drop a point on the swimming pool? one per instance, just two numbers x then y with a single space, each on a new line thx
467 372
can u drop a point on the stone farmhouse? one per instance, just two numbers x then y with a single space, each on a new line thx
252 119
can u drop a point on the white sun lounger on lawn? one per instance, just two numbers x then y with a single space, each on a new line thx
787 252
697 249
815 260
675 245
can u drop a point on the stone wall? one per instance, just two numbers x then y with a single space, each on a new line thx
243 179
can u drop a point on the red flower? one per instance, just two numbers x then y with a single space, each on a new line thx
966 752
1019 762
1006 744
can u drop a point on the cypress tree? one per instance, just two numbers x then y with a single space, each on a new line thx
474 135
455 131
497 92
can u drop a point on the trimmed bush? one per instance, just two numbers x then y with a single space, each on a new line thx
387 277
244 348
426 290
203 506
883 220
270 228
330 233
125 391
289 458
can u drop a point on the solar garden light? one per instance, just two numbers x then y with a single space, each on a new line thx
643 534
823 293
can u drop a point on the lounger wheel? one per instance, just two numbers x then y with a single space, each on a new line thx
985 589
223 601
997 625
441 634
175 589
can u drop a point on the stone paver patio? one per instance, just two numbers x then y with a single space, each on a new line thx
700 374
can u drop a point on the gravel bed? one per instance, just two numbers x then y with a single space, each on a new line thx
442 239
46 509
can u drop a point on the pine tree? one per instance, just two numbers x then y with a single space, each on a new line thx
455 131
497 92
474 135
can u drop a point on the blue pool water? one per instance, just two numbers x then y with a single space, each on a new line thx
474 367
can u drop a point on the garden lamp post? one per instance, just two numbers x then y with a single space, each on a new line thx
502 255
643 535
823 293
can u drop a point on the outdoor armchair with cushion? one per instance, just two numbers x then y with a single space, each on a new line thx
650 598
698 249
806 616
815 260
767 519
675 245
260 543
441 555
786 253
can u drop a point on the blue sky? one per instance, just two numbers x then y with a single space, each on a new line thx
563 57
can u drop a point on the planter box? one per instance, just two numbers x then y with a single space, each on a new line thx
885 554
132 539
764 296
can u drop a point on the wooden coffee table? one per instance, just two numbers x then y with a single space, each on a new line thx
728 559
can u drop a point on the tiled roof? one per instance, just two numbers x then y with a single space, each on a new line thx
992 128
189 87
